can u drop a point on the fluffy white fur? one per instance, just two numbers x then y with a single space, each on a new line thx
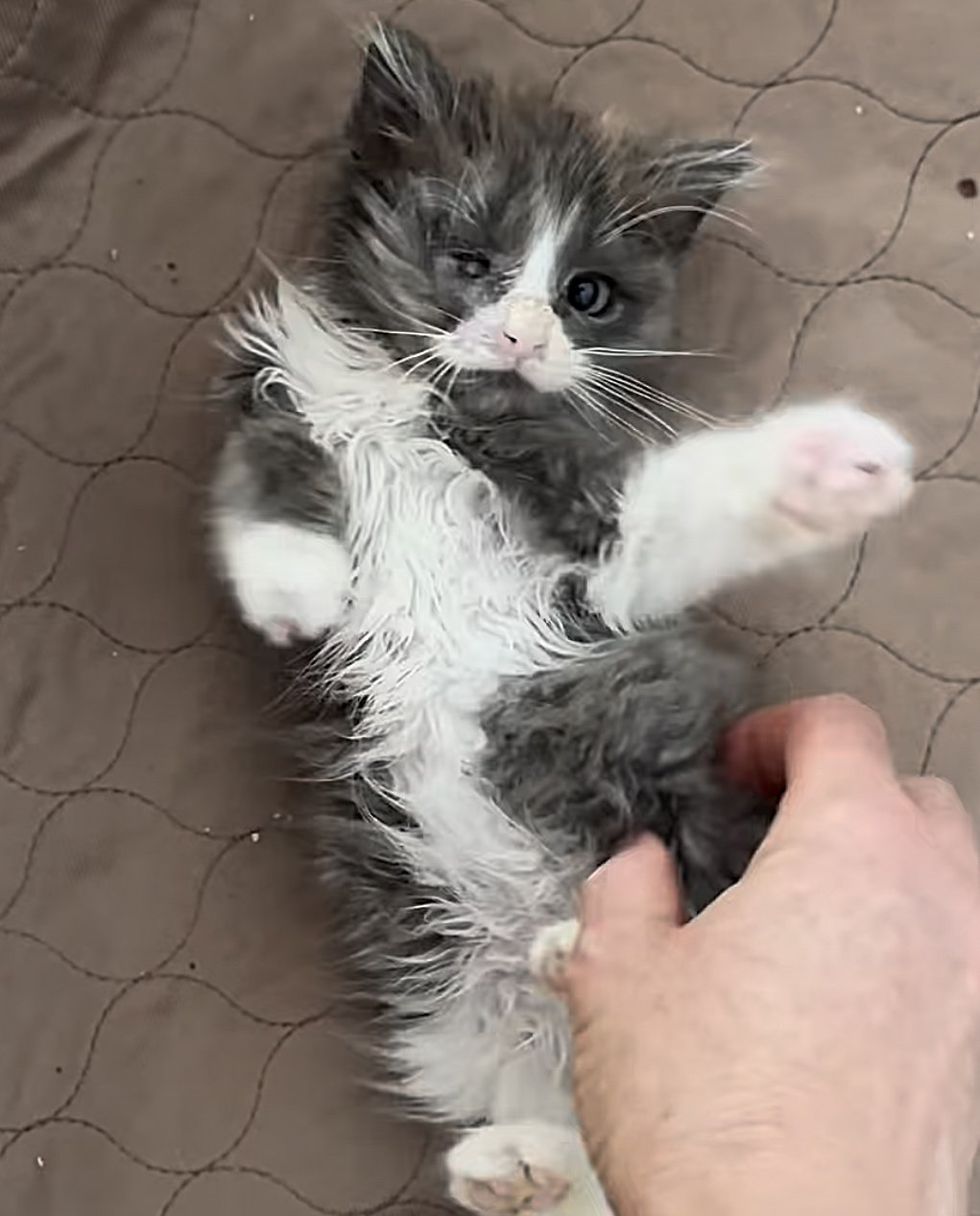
291 583
445 599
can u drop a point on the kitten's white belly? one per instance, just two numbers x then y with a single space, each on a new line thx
446 605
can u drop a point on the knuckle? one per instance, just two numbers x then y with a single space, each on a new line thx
837 700
933 793
939 789
842 705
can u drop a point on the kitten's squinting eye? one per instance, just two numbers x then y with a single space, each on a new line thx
472 265
591 294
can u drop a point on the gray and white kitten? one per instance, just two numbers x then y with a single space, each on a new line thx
441 473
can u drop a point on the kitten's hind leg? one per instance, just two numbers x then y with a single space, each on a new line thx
277 519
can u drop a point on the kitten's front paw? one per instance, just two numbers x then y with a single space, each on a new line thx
512 1169
839 468
292 584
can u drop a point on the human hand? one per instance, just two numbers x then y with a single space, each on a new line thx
809 1042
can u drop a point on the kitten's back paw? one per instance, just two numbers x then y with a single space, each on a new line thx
291 583
551 950
513 1169
841 468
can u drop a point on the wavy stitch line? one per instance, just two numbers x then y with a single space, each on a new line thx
853 631
937 724
24 38
794 66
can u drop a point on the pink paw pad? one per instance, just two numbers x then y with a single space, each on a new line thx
843 469
528 1190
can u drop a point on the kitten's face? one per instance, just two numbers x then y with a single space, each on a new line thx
505 235
538 287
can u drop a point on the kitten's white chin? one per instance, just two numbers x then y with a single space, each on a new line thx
544 377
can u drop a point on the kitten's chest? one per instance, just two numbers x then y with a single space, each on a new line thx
449 594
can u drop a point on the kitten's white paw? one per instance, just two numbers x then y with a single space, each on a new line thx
510 1169
291 583
840 468
551 950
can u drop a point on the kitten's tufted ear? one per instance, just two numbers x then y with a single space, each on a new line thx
403 88
686 181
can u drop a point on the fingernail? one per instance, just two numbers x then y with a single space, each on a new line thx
598 872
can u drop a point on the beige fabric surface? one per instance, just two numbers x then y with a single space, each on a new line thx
166 1038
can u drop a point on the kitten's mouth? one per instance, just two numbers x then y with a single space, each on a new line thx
523 338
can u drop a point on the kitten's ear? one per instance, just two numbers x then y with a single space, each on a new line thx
403 88
688 180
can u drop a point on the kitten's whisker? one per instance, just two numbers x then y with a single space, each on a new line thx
654 212
446 313
640 410
443 368
457 371
622 213
434 329
644 392
609 415
651 393
453 370
625 352
697 155
432 356
424 355
619 396
642 388
398 333
573 397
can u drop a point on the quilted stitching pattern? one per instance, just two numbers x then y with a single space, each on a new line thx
166 1039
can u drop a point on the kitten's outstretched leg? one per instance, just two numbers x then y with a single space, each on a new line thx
278 514
728 503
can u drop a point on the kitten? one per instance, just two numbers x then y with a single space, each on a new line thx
440 474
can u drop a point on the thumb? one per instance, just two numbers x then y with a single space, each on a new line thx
633 896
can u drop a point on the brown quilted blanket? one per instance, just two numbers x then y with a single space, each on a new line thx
166 1038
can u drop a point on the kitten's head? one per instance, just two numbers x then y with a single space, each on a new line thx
503 234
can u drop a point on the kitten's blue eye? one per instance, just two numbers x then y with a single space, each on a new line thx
472 265
591 294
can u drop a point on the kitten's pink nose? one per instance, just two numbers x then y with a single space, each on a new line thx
527 327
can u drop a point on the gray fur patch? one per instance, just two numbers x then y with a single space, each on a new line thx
625 741
565 478
273 471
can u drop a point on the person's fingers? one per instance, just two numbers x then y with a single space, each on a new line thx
827 746
933 796
629 906
949 824
634 895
